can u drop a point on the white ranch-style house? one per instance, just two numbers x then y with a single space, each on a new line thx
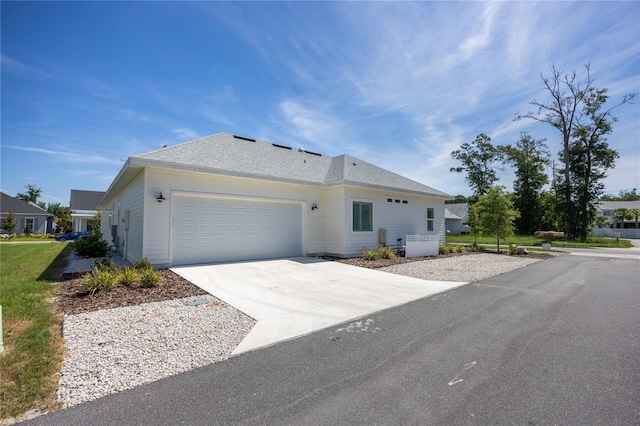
228 198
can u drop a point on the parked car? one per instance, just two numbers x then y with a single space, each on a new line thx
72 236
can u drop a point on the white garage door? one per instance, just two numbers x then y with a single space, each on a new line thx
217 230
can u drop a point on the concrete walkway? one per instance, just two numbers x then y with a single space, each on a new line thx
293 297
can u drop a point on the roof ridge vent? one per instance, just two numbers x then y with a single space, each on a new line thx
309 152
281 146
243 138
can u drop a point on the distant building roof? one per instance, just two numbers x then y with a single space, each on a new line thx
459 210
85 200
231 155
613 205
9 204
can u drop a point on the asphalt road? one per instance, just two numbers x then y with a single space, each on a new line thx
557 342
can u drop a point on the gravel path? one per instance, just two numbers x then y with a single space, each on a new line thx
461 268
116 349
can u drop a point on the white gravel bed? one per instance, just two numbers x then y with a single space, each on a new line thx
78 264
469 268
112 350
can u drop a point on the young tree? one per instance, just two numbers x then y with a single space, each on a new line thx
8 223
62 215
478 160
573 103
495 213
529 156
636 214
602 222
32 194
620 215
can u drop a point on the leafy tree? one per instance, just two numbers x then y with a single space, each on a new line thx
552 213
620 215
496 214
635 213
31 195
591 157
8 223
62 215
462 199
478 159
529 156
602 222
574 106
97 224
623 196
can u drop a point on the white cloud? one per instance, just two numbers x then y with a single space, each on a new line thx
68 156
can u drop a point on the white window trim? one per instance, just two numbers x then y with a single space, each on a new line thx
433 219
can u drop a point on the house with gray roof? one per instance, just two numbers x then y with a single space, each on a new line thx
84 207
26 215
455 216
226 198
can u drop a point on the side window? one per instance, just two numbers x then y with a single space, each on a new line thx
29 224
362 216
430 218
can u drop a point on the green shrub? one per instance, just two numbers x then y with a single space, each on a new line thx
369 254
148 277
142 264
104 263
127 276
478 248
99 280
444 249
91 247
386 253
513 249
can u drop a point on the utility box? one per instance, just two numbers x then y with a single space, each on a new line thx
382 236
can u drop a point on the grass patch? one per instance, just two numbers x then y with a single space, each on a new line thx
33 345
525 240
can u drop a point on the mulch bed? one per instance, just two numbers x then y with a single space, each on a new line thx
74 298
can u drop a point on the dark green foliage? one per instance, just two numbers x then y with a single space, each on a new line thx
91 247
575 109
478 160
622 196
32 194
529 157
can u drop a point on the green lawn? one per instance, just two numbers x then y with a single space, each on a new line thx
524 240
31 330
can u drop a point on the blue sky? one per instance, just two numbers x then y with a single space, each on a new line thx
397 84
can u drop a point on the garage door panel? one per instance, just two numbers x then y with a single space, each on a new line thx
217 230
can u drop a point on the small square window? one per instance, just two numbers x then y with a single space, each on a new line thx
405 202
398 201
389 200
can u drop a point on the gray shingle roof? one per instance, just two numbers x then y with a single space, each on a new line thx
85 200
9 204
231 155
460 210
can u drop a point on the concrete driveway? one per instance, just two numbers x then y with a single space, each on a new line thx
293 297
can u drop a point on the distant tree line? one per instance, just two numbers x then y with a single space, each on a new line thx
579 111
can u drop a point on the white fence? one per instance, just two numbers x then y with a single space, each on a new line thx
617 232
421 245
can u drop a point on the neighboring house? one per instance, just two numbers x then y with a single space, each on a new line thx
26 215
606 209
228 198
84 206
456 218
